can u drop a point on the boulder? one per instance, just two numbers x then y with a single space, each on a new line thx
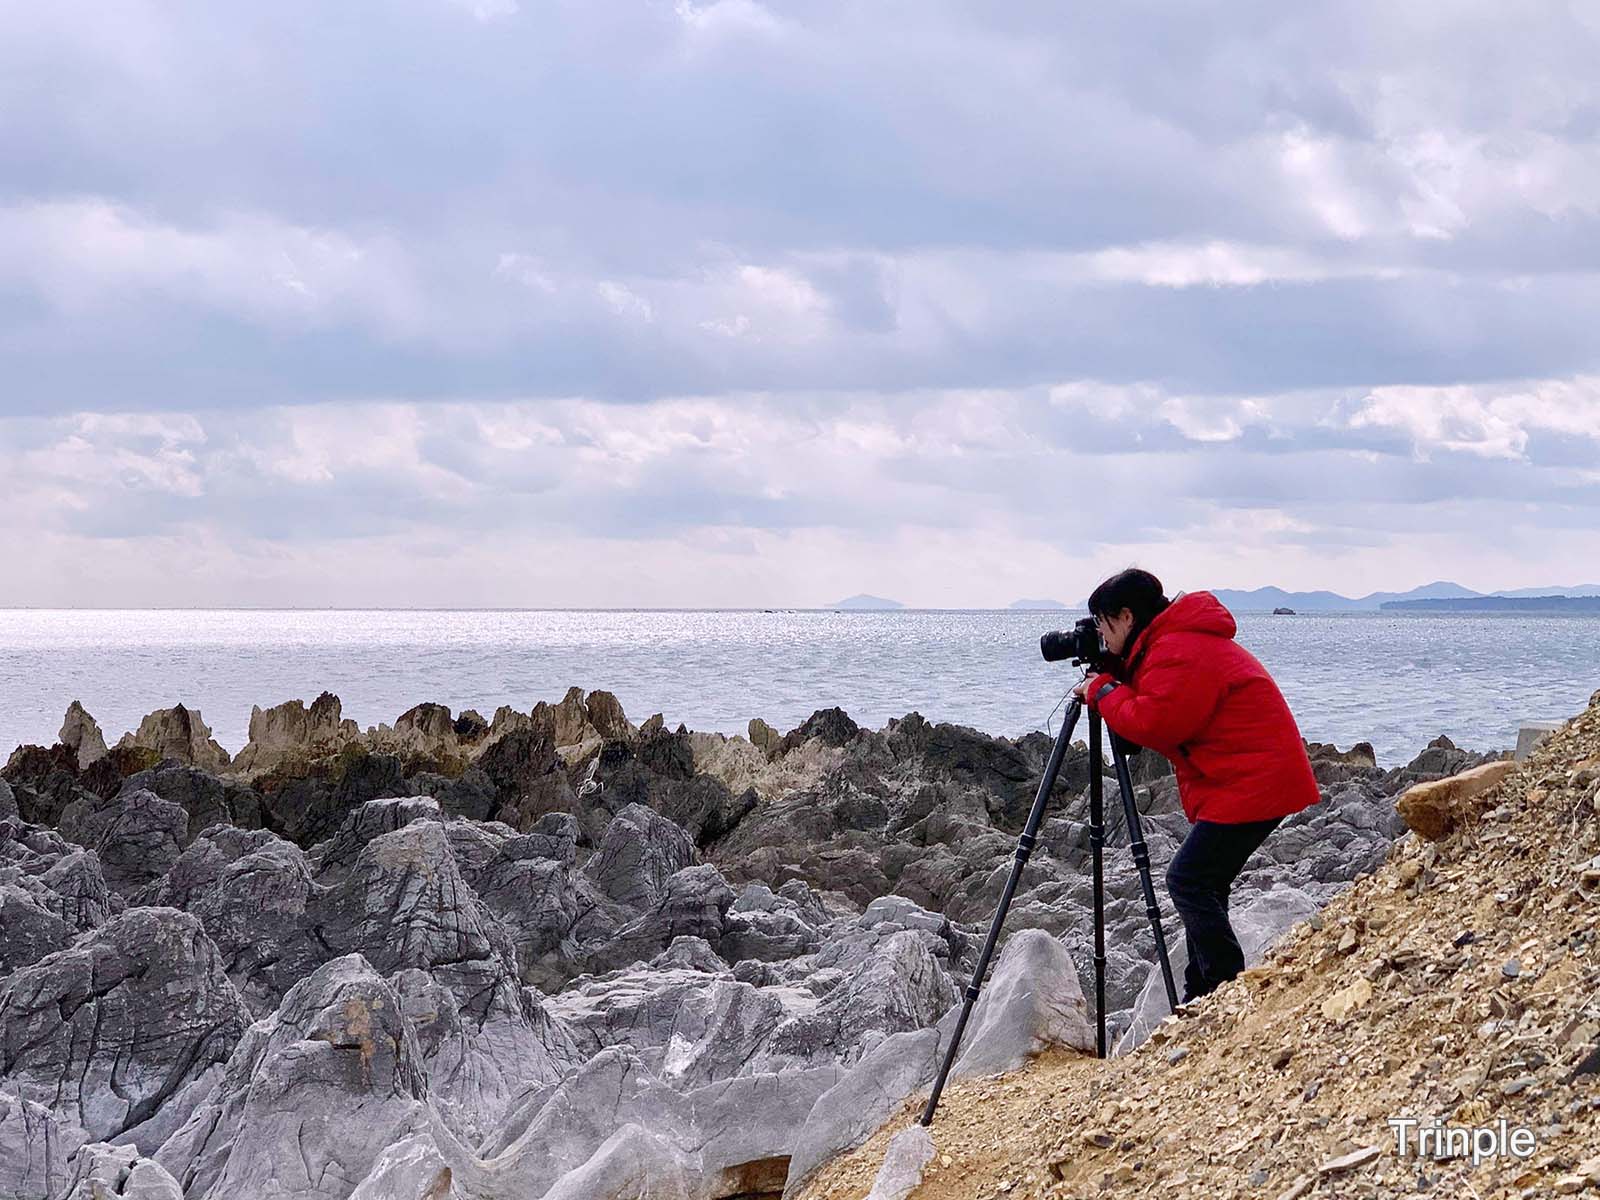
765 738
309 807
1033 1001
28 929
528 777
693 903
1433 809
254 893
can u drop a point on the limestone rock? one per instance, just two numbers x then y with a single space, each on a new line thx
606 718
206 799
33 1152
179 733
292 733
255 895
527 776
765 738
693 903
1033 1001
640 852
119 1032
137 835
102 1171
28 929
310 1097
82 734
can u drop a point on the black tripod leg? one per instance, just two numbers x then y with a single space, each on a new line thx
1097 841
1141 858
1030 833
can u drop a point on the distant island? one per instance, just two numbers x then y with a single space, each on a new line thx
864 601
1519 604
1267 599
1035 605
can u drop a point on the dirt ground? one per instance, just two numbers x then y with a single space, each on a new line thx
1458 983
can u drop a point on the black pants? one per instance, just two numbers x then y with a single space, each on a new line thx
1198 879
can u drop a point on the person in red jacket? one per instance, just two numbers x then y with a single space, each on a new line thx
1191 693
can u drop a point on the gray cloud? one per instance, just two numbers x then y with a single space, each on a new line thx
931 290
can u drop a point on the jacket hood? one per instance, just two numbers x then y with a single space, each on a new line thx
1192 612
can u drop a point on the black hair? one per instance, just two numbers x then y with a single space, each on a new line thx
1137 591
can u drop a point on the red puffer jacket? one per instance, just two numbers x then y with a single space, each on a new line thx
1202 700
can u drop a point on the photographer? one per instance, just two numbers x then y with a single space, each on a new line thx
1184 688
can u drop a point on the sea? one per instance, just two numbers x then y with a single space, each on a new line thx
1396 681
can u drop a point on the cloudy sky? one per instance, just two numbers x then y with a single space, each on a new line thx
590 302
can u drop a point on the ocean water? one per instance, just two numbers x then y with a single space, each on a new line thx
1396 681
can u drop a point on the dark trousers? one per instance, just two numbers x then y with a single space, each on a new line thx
1198 879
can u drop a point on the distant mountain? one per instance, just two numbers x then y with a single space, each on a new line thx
1268 598
868 602
1033 605
1583 589
1437 594
1501 604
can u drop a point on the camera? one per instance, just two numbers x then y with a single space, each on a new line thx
1081 644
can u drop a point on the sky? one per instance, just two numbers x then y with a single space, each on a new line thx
733 303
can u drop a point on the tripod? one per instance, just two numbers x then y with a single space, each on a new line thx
1025 844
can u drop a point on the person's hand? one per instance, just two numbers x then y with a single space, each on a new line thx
1082 688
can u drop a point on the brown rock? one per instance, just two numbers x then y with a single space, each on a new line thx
1433 809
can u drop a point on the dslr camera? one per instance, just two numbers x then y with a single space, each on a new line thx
1081 644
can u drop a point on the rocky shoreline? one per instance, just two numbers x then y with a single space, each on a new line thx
553 953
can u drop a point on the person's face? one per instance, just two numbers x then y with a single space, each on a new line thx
1114 629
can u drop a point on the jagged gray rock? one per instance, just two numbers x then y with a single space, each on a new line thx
728 931
104 1172
640 852
206 799
137 835
1032 1001
33 1152
119 1033
28 929
309 1098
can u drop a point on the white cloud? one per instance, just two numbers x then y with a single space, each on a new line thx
488 10
88 256
832 494
1493 421
624 302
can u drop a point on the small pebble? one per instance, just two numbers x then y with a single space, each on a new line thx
1512 969
1177 1054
